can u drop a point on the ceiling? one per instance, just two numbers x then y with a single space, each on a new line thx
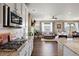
45 11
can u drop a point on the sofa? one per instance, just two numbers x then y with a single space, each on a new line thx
62 35
48 35
75 34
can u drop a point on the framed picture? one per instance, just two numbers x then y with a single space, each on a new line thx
58 26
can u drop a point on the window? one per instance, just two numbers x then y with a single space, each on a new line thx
46 26
69 27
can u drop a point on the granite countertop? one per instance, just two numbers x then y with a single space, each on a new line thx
12 45
72 44
11 52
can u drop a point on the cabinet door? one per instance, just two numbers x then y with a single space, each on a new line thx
24 51
30 47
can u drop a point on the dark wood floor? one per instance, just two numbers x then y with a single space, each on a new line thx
44 48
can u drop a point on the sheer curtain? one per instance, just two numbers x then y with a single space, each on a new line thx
47 27
70 27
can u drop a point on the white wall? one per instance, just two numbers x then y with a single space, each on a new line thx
15 32
37 26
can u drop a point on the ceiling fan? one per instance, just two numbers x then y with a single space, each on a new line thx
53 17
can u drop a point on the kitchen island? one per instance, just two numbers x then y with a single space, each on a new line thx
68 46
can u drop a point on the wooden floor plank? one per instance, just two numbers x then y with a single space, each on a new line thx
42 48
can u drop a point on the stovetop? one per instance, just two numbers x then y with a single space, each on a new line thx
12 45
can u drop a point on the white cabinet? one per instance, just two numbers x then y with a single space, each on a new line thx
27 49
30 46
68 52
24 50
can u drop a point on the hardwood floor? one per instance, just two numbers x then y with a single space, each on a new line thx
44 48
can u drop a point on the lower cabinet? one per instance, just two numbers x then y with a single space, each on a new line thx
30 49
27 49
24 50
68 52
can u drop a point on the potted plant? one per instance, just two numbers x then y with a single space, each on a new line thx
30 34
